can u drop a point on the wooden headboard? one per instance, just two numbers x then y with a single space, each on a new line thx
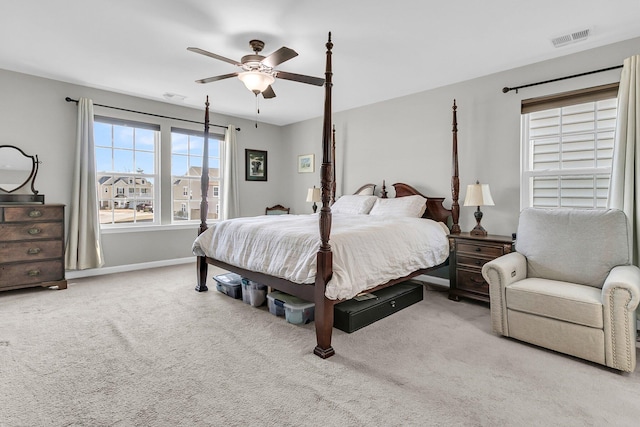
435 210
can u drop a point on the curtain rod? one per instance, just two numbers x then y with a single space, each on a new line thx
149 114
507 89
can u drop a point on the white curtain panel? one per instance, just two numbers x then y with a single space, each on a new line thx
625 174
83 248
230 203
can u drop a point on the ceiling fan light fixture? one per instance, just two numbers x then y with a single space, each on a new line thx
256 81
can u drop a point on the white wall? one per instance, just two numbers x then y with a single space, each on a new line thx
408 139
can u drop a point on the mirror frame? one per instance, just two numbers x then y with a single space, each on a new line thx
7 197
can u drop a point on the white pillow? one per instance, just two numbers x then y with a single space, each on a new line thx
353 204
408 206
368 191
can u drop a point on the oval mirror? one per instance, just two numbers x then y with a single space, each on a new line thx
16 169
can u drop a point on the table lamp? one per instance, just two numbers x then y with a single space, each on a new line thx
478 195
313 195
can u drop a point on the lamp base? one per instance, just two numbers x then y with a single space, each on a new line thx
478 230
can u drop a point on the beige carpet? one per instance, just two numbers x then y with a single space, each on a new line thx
145 349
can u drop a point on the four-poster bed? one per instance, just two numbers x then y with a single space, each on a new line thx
325 276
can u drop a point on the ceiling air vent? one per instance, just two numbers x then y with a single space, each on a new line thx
570 38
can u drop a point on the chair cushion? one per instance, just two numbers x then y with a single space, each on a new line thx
564 301
573 245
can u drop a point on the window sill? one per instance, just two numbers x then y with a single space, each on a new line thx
192 225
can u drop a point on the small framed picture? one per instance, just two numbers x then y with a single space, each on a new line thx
255 165
306 163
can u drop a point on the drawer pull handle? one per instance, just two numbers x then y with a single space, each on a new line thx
478 249
476 281
34 273
478 262
393 304
33 251
35 214
34 231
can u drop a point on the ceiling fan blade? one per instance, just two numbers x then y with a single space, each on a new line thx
316 81
216 78
213 55
268 93
279 56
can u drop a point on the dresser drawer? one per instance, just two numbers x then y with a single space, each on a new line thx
31 251
30 273
32 231
472 280
490 251
33 213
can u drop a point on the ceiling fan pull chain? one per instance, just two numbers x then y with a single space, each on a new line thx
257 110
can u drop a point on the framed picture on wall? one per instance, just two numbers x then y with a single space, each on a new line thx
255 167
306 163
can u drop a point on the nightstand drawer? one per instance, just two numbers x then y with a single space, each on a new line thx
490 251
469 261
472 280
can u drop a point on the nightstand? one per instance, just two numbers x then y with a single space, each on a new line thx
467 255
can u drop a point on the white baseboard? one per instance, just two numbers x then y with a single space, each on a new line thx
76 274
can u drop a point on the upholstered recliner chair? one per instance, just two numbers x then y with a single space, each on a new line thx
569 286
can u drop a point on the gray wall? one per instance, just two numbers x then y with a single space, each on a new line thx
406 139
35 117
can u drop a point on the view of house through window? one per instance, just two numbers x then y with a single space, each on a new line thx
567 149
126 170
187 150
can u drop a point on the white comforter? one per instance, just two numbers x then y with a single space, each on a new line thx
367 250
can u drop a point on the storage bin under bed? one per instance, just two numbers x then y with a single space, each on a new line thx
294 309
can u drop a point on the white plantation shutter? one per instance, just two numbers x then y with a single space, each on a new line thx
567 150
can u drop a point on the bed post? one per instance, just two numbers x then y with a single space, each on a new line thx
333 162
455 181
323 306
204 205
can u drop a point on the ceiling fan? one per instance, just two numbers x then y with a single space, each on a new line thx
258 71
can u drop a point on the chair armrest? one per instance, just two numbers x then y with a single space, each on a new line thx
620 298
500 273
505 270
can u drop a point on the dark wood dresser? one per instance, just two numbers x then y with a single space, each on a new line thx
31 246
467 255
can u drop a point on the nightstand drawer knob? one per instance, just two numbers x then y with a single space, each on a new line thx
35 214
34 231
33 251
393 304
34 273
478 249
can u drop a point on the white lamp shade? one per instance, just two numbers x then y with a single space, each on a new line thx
256 81
313 195
478 195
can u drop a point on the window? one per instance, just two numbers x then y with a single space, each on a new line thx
187 150
567 148
126 171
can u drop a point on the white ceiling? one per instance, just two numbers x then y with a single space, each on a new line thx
382 49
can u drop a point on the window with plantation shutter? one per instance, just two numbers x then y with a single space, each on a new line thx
567 148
